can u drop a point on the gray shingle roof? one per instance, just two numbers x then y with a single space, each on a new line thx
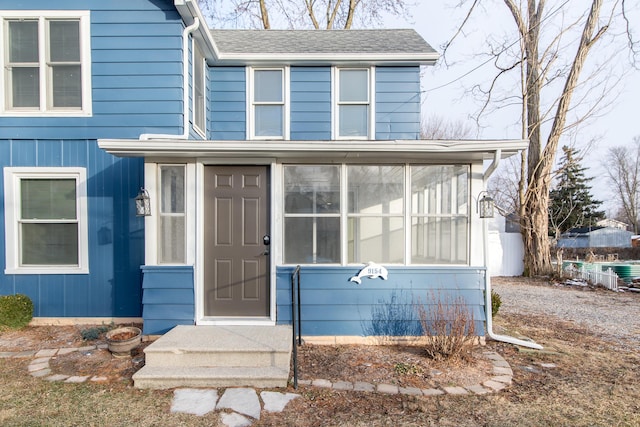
321 42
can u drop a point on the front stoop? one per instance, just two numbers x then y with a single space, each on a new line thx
218 356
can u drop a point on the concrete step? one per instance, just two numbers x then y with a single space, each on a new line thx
218 356
163 378
219 346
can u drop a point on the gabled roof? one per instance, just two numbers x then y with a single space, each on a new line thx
386 46
307 47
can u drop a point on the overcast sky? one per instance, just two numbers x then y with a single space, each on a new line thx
445 86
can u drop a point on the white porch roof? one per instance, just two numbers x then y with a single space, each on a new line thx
397 150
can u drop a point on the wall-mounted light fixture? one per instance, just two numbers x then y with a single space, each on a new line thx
143 203
485 205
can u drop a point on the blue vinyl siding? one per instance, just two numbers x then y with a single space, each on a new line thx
116 236
397 103
136 54
168 298
332 305
227 104
310 103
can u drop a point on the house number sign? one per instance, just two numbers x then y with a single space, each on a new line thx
372 271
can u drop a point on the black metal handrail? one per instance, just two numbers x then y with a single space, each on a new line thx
296 324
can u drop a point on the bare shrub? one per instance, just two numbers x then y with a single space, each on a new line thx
449 324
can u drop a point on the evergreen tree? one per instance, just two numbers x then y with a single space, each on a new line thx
570 202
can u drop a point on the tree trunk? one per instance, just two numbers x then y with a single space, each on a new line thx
264 15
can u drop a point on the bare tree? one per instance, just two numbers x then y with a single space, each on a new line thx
548 55
623 171
437 127
317 14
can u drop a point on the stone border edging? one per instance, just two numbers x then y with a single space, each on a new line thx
501 378
39 367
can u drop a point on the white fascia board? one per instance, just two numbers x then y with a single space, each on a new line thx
189 10
454 150
365 59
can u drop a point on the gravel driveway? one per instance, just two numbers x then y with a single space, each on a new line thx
615 316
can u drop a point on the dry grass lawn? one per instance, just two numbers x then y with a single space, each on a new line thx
578 380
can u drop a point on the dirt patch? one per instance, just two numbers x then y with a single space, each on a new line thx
94 362
41 337
98 363
405 366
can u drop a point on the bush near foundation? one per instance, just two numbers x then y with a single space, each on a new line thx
16 311
496 302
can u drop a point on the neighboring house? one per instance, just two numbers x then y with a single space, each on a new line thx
259 150
613 223
595 237
506 248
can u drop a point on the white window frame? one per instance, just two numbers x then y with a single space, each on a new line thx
285 103
198 60
168 214
46 109
335 102
12 199
407 213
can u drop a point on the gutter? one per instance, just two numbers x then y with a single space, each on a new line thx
487 280
185 88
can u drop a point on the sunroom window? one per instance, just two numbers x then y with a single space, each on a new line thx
46 63
172 221
391 214
312 214
439 214
376 214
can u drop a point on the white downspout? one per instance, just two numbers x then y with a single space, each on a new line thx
185 85
487 280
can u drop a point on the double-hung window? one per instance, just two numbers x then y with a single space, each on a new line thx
46 221
268 96
353 103
199 108
46 63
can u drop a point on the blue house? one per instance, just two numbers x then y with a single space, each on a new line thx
259 151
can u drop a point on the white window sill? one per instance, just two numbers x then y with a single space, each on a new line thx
47 270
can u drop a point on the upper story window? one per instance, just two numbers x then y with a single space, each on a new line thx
268 116
353 117
199 85
46 221
46 63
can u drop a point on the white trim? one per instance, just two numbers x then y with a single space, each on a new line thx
286 107
159 214
45 110
151 221
420 150
198 242
12 177
335 103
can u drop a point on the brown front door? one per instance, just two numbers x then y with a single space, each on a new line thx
236 217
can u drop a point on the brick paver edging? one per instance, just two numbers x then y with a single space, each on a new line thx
501 378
